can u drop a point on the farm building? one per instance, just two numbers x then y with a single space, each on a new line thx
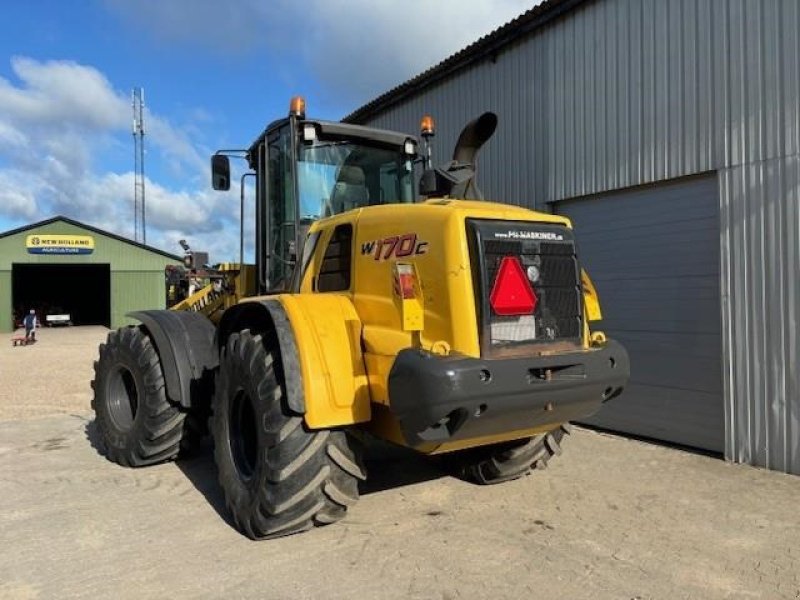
669 131
66 267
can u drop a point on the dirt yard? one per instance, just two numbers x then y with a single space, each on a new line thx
611 518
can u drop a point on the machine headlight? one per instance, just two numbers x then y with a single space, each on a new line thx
309 132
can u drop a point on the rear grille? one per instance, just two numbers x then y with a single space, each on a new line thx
550 249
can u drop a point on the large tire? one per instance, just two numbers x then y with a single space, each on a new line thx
138 425
511 460
279 477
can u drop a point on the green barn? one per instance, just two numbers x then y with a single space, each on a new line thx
63 266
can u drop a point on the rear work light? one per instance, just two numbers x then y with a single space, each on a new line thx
512 294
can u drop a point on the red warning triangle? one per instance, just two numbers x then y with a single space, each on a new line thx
511 292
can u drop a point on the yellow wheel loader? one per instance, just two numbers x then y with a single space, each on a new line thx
448 325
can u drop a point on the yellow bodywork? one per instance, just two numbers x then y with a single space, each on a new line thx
237 282
327 332
590 300
348 340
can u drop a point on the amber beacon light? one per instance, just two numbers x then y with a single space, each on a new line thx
297 107
427 126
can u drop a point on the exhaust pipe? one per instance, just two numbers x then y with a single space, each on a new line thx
474 135
456 179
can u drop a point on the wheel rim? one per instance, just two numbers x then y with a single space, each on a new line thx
243 435
123 395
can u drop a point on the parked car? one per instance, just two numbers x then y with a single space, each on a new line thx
57 316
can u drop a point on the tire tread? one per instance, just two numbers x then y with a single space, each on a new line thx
303 478
157 432
505 462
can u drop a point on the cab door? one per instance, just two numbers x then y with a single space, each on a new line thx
280 210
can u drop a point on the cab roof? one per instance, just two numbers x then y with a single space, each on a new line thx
337 130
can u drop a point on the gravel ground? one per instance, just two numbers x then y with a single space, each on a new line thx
611 518
51 376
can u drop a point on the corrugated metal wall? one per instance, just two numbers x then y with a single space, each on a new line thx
760 217
623 92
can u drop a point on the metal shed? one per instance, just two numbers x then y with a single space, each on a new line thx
66 266
678 117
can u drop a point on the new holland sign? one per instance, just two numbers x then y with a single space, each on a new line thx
59 244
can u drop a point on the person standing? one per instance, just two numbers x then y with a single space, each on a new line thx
30 323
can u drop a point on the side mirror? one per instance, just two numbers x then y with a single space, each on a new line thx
220 173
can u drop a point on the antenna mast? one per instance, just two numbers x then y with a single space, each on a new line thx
139 229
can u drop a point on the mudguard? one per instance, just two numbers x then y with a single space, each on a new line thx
261 315
319 337
327 332
185 344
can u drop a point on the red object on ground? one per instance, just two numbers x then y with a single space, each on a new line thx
21 340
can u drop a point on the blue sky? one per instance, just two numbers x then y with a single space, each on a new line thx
214 74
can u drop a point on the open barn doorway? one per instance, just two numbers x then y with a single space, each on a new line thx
81 291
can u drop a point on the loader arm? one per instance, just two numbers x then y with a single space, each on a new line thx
208 300
236 282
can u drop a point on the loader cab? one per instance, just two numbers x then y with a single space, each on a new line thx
308 170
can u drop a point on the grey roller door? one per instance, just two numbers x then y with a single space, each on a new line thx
653 254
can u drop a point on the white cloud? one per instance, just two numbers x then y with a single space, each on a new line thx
357 49
57 119
378 45
17 200
11 138
62 94
175 145
171 215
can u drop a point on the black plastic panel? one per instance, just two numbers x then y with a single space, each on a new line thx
447 398
551 249
334 273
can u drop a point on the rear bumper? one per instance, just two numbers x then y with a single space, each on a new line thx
439 399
